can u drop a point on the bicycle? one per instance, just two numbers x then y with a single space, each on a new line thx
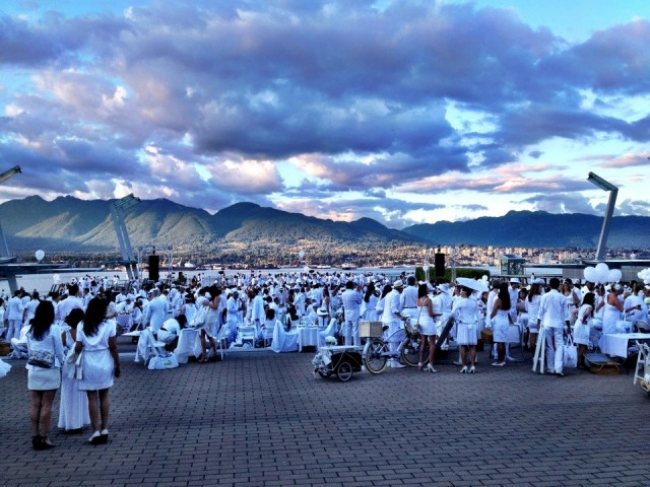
376 351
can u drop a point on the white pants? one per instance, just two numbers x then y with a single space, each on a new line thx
13 331
395 334
554 356
351 332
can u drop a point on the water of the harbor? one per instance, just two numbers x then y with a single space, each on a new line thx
44 282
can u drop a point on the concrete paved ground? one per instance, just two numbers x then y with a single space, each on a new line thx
263 419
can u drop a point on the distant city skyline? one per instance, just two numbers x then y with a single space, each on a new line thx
402 111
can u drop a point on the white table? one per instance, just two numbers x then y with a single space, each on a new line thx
307 336
616 344
185 346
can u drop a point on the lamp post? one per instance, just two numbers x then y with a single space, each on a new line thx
611 203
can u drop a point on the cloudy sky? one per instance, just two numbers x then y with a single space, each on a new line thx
402 111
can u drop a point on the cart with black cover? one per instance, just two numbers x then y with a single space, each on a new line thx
338 361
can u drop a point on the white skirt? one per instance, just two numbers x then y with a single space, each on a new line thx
41 379
581 334
466 334
428 327
500 330
97 366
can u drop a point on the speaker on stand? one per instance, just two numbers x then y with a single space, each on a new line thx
439 262
154 267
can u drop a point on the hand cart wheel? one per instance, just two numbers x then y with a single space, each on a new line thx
344 371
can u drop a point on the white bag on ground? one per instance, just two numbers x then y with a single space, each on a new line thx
570 354
162 362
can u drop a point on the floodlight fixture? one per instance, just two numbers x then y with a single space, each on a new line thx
596 180
611 203
9 173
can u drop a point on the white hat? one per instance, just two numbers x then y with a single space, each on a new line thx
515 280
398 283
444 287
537 280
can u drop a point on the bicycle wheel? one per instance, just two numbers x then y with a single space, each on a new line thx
376 359
410 354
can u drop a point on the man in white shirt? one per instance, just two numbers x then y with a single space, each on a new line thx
551 317
392 317
14 315
72 301
351 299
409 299
157 311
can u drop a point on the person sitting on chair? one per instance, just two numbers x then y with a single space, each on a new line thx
170 331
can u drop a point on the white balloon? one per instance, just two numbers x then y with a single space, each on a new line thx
484 277
615 275
590 274
602 270
39 254
56 278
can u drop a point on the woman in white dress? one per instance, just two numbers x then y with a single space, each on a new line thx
531 303
466 313
428 329
379 308
45 352
96 339
582 327
370 300
73 407
613 309
501 320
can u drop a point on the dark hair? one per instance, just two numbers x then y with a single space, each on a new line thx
182 320
349 285
369 291
590 299
73 289
411 281
534 289
74 317
270 314
95 314
387 288
423 290
554 283
504 296
42 320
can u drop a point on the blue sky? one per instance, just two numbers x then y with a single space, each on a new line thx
402 111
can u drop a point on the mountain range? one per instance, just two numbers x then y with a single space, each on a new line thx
71 224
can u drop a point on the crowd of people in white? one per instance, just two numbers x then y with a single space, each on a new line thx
269 306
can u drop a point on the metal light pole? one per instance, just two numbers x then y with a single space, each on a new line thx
611 203
118 209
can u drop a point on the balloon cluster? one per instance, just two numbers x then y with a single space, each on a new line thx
602 274
645 275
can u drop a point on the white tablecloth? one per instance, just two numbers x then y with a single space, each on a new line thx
185 347
616 344
307 336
